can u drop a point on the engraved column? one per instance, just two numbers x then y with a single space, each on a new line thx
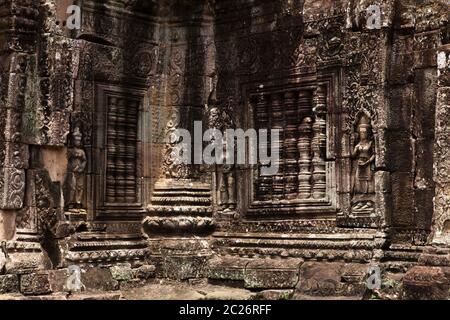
263 183
121 168
319 144
131 152
290 145
111 151
304 146
278 124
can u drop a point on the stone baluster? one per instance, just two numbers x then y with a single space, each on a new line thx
263 183
121 164
290 145
319 144
278 123
111 151
131 152
304 147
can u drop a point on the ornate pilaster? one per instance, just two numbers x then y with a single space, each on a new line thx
441 218
18 224
304 163
263 183
304 149
278 123
319 144
290 146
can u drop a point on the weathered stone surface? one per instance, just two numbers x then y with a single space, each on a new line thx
99 279
2 260
180 267
49 297
166 290
144 272
272 274
24 262
35 284
328 279
122 272
228 268
89 123
58 280
95 296
7 224
274 295
426 283
9 284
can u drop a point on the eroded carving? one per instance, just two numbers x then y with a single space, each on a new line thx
75 179
363 176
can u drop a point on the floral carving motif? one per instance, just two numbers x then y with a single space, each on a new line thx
172 166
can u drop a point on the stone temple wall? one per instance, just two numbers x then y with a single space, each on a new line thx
87 128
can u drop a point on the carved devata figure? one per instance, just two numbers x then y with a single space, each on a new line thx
74 183
220 119
363 155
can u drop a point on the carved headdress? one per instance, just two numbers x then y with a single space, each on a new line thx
364 122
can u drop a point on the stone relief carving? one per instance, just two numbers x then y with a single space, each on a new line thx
363 174
172 167
75 179
258 44
219 117
360 98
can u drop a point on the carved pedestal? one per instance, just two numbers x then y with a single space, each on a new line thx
178 218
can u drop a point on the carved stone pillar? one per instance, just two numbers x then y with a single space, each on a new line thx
17 52
441 218
278 123
17 47
263 183
304 163
304 149
290 145
319 144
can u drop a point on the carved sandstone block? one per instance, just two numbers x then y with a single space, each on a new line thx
144 272
122 272
99 279
35 284
272 274
426 283
327 279
228 268
12 191
9 283
442 110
